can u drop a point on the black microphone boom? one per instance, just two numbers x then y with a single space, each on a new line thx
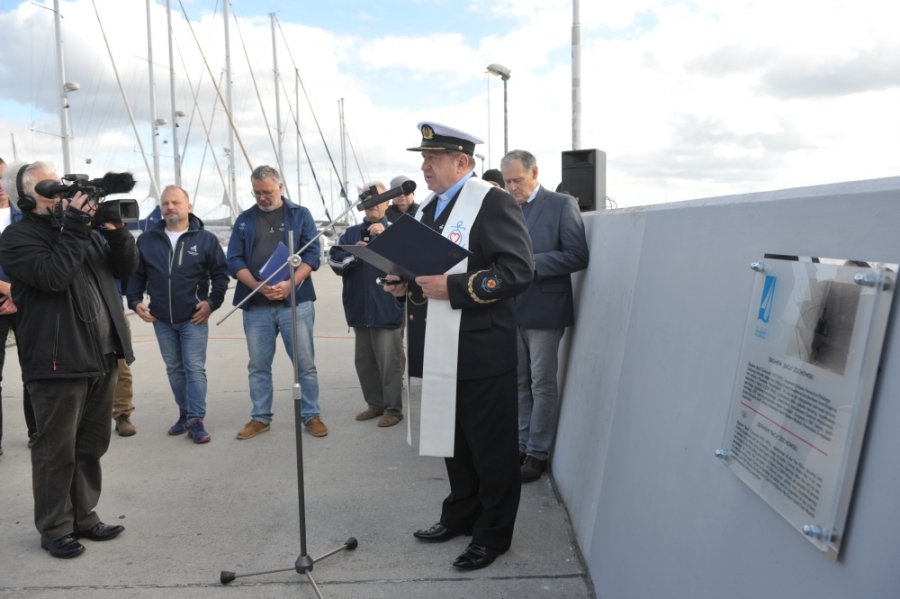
407 187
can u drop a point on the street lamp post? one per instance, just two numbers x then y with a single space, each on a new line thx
501 71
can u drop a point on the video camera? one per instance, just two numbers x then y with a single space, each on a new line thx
113 211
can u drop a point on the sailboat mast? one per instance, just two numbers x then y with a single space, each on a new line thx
175 114
65 131
232 183
279 132
154 122
344 178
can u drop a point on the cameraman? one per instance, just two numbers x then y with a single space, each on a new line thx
72 331
376 318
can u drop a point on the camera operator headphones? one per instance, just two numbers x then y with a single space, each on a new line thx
26 203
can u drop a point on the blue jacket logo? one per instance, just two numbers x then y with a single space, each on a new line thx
768 297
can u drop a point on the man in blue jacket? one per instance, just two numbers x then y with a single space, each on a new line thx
179 262
255 236
376 318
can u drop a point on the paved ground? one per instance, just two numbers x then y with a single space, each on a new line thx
193 511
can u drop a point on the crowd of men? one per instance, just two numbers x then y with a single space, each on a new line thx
483 336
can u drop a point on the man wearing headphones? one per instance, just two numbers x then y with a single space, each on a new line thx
72 332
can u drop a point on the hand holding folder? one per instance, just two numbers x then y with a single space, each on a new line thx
410 249
277 263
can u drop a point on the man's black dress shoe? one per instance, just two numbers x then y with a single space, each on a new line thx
64 547
437 534
99 532
475 557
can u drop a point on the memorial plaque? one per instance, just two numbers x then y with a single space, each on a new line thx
804 385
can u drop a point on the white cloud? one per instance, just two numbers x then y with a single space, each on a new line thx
688 99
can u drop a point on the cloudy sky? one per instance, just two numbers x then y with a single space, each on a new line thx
688 99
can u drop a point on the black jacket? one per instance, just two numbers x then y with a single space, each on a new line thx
500 267
56 318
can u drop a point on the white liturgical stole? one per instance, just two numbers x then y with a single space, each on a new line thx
438 420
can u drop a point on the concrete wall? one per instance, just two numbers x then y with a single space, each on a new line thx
646 391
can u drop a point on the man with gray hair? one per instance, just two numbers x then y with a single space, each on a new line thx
405 203
62 268
254 239
375 318
546 308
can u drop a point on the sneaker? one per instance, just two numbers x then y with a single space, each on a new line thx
369 413
196 431
532 468
251 429
179 427
316 427
390 419
124 426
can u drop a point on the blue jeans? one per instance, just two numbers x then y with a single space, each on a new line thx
183 349
261 325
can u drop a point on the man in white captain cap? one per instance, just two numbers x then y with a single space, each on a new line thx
466 355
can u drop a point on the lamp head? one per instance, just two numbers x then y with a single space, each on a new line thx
499 70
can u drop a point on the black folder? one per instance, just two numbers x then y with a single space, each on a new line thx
410 249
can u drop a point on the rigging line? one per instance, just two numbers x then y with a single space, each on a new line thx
312 168
218 90
153 180
294 117
196 108
261 106
318 126
356 159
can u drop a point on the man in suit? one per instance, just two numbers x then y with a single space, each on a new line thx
466 353
545 310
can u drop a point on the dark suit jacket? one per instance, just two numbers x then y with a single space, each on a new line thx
501 267
560 248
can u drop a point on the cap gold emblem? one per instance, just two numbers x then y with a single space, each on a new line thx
427 132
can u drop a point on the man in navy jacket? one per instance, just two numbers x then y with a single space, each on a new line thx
376 318
255 236
179 262
546 308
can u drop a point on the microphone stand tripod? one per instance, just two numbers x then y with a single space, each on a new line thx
304 563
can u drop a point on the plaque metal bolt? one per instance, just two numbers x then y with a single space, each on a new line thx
817 532
813 530
866 280
758 266
724 454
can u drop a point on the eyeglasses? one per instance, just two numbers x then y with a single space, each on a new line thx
263 194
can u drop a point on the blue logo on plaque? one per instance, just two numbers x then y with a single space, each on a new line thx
768 296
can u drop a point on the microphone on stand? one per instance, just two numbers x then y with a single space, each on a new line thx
406 188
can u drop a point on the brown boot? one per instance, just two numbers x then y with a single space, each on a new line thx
316 427
124 426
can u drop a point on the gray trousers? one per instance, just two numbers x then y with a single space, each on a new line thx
538 390
73 432
379 363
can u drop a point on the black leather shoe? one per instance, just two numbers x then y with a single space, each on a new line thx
532 469
437 534
64 547
99 532
476 557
